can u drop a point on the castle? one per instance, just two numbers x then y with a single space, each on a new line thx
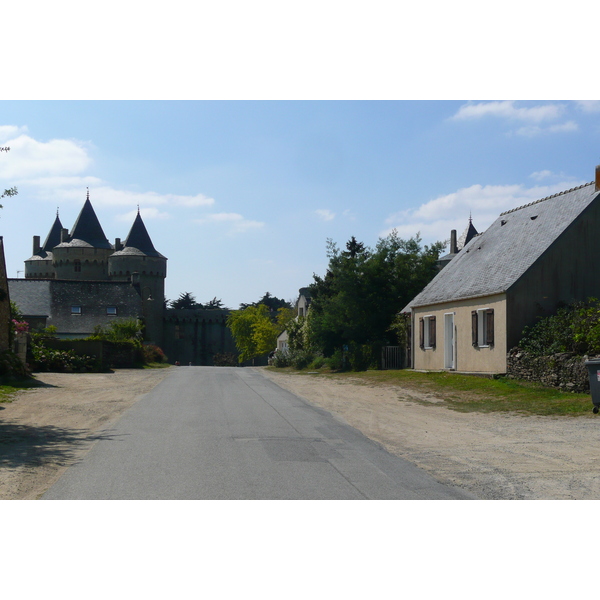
76 281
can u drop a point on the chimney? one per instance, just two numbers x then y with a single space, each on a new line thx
453 246
36 244
597 177
118 245
64 235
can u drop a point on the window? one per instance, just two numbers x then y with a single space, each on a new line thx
75 310
427 332
482 327
111 311
77 266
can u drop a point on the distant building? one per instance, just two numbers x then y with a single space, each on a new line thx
79 280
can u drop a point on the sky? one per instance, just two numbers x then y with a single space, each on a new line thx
249 133
242 195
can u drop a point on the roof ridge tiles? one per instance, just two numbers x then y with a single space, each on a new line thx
506 212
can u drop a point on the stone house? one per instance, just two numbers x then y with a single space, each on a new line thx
526 264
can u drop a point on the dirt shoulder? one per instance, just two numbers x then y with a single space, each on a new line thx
46 429
493 455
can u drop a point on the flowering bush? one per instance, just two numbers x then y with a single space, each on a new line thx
153 354
47 359
20 326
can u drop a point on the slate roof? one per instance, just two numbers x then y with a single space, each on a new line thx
32 296
87 231
467 235
494 260
53 238
138 241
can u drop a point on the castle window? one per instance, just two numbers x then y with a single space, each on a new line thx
76 310
111 311
77 265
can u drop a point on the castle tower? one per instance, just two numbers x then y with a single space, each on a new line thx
83 254
39 266
139 261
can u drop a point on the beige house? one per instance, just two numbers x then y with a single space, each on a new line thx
530 261
302 307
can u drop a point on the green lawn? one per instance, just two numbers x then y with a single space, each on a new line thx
469 393
7 391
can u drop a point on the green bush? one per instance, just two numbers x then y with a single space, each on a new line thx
298 359
130 330
360 357
337 361
574 328
11 366
317 363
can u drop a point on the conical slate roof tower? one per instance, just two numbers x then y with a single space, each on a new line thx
138 239
39 266
53 238
83 254
87 228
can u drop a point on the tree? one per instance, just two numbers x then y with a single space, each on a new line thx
185 300
10 191
254 331
214 303
271 302
363 290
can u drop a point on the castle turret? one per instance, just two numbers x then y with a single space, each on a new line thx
140 262
40 266
83 254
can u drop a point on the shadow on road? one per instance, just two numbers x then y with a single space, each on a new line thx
22 445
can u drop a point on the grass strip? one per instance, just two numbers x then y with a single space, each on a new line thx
471 393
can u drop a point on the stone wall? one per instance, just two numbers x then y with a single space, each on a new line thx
564 371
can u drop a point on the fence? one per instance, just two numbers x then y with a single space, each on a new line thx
392 357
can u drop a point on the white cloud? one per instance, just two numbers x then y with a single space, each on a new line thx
236 222
9 132
62 190
589 106
325 214
539 175
108 196
507 109
55 171
30 158
532 130
435 219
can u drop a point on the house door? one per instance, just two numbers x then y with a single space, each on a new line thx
449 345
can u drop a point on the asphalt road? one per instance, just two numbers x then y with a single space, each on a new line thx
231 433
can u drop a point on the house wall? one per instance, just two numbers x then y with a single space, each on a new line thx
468 358
566 272
94 297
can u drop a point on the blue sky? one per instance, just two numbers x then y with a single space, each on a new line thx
241 196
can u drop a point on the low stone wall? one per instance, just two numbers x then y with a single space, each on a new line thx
564 371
